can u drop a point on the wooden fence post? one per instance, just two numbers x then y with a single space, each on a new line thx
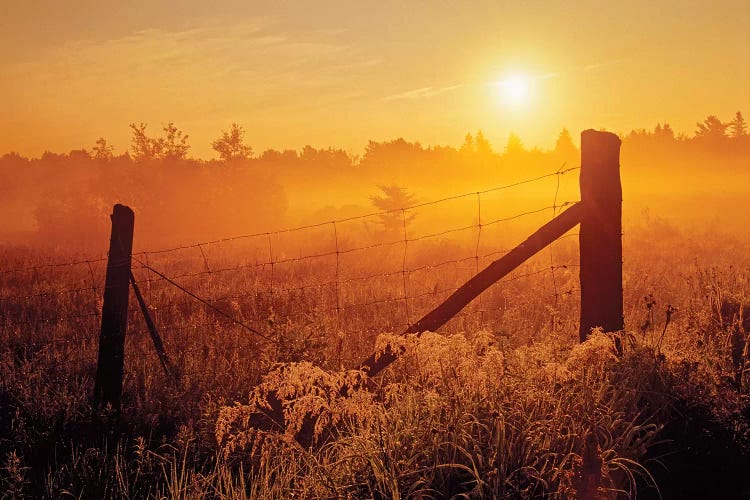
109 368
601 233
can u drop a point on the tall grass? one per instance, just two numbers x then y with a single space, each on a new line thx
508 407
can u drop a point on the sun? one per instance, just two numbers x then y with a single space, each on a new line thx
514 91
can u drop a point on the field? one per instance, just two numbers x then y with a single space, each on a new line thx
503 402
374 250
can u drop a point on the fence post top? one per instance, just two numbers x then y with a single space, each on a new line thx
600 136
122 210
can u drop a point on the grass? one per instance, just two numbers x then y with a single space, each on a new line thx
504 403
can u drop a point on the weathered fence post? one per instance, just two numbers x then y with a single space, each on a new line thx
601 233
109 369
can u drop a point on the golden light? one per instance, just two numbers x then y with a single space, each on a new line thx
514 91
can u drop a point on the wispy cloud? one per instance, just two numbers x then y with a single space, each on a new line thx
252 61
593 67
527 78
203 76
421 93
599 65
428 92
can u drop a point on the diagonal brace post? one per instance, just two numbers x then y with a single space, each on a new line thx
436 318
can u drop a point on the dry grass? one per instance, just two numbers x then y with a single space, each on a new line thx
506 406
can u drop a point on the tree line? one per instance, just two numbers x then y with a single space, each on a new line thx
65 196
231 145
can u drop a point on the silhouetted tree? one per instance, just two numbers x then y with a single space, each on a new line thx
102 151
329 159
483 146
172 146
664 132
514 145
738 126
397 157
711 128
309 154
271 155
468 146
174 143
231 145
143 146
79 156
564 146
395 198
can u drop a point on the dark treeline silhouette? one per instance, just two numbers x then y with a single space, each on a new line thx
63 199
725 145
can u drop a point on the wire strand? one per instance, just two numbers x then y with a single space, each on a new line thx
208 304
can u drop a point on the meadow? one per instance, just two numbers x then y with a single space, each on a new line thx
503 402
271 279
462 191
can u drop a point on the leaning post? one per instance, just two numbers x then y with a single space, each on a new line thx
601 233
109 368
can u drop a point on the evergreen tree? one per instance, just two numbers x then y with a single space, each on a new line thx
738 126
468 145
514 144
564 146
664 132
711 128
395 198
482 145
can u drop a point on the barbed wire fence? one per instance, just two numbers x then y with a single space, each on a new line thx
335 290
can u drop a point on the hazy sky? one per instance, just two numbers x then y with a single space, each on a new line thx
342 72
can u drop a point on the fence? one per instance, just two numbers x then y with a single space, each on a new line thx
329 283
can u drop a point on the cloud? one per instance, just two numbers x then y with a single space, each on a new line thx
204 76
422 93
206 68
600 65
592 67
254 49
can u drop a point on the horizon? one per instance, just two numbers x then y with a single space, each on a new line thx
497 147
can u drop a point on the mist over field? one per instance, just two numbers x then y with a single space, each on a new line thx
61 200
343 250
264 270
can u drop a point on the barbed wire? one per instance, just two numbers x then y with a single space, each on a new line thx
93 260
179 325
355 305
279 278
60 264
364 216
257 292
337 253
206 303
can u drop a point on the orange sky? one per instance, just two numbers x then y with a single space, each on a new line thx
341 72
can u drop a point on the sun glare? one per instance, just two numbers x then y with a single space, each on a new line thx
514 90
